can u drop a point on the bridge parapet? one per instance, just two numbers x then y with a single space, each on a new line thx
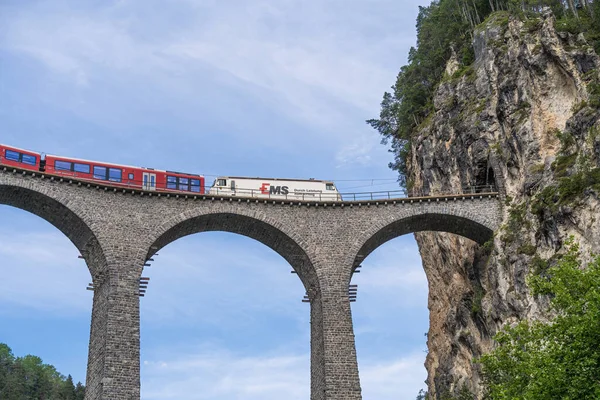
253 194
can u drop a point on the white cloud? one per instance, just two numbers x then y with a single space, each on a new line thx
356 152
223 279
41 272
314 62
215 373
395 379
219 374
395 267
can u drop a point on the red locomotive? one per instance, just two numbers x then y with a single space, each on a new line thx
98 172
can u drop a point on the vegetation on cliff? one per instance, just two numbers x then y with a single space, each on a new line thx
29 378
444 28
559 359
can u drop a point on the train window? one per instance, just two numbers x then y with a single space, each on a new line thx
130 177
99 172
114 174
222 182
329 186
62 165
184 184
195 185
31 160
13 155
171 182
83 168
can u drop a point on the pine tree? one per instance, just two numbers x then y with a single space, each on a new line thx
67 391
79 391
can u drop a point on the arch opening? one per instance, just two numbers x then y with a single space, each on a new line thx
229 308
420 223
391 318
44 307
58 215
254 228
396 232
484 175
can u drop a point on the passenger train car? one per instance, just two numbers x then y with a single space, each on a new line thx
167 181
105 173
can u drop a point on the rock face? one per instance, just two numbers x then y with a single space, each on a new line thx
520 118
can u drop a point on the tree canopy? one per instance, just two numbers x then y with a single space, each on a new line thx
29 378
559 359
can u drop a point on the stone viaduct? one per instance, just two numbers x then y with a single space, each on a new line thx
116 231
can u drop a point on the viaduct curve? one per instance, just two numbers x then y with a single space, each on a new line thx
117 230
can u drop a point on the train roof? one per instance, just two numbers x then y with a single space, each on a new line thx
19 149
120 165
274 179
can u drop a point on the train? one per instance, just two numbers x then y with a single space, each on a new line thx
150 179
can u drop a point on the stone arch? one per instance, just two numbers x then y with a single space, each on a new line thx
458 220
56 211
254 225
275 235
437 222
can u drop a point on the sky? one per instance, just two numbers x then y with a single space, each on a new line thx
277 88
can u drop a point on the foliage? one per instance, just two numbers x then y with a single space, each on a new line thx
593 84
539 266
559 359
444 28
561 165
461 394
29 378
488 246
527 248
476 304
568 189
517 222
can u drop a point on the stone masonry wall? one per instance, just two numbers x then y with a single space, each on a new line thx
117 230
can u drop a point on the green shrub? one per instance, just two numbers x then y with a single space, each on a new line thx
555 360
561 165
527 248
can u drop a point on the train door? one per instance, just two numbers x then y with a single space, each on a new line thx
232 187
149 181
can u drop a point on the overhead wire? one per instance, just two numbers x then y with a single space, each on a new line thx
330 179
365 186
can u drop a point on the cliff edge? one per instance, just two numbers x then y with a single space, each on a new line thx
525 118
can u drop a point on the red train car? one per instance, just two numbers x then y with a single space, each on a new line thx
113 174
125 176
105 173
178 181
15 157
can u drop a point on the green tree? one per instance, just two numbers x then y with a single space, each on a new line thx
79 391
28 377
559 359
67 391
6 361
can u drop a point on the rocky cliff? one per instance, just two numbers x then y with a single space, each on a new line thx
524 117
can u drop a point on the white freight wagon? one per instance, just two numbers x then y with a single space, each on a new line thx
275 188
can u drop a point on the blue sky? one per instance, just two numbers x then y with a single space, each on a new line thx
263 88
